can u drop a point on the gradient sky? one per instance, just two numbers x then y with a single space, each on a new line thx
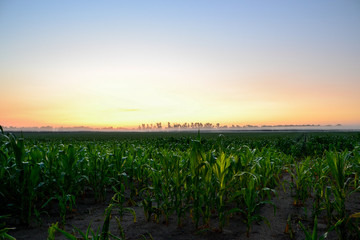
123 63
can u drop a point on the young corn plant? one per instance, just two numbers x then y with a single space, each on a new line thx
355 168
66 203
119 200
210 195
250 197
329 207
32 185
301 181
131 169
220 169
319 176
160 196
267 167
24 178
98 172
176 178
197 173
147 202
4 230
338 164
90 234
314 234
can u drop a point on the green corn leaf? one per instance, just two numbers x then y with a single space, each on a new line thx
106 225
132 211
66 234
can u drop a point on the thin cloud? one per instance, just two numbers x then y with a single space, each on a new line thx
128 109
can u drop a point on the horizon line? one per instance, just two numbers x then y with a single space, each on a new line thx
184 127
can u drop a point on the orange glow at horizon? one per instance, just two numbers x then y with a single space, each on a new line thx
258 103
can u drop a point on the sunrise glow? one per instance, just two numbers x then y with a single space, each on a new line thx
124 63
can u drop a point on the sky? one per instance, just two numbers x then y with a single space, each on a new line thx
124 63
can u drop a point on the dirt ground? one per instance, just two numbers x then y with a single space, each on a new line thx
89 212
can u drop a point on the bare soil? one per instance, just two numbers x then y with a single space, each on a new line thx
89 212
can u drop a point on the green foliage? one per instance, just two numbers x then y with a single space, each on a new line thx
302 181
4 230
207 177
339 165
314 234
104 234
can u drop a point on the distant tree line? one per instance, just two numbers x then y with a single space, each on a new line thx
185 125
199 125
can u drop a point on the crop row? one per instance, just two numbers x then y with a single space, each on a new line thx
195 178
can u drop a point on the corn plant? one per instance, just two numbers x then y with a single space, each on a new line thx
24 175
314 234
220 170
338 166
159 193
319 176
301 181
268 167
102 234
202 177
210 197
250 197
355 168
131 168
195 184
65 202
119 199
147 202
4 230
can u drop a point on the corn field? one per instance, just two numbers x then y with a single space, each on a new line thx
207 179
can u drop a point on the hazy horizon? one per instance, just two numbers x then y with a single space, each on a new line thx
124 63
305 127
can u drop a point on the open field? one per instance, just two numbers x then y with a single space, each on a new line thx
180 185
